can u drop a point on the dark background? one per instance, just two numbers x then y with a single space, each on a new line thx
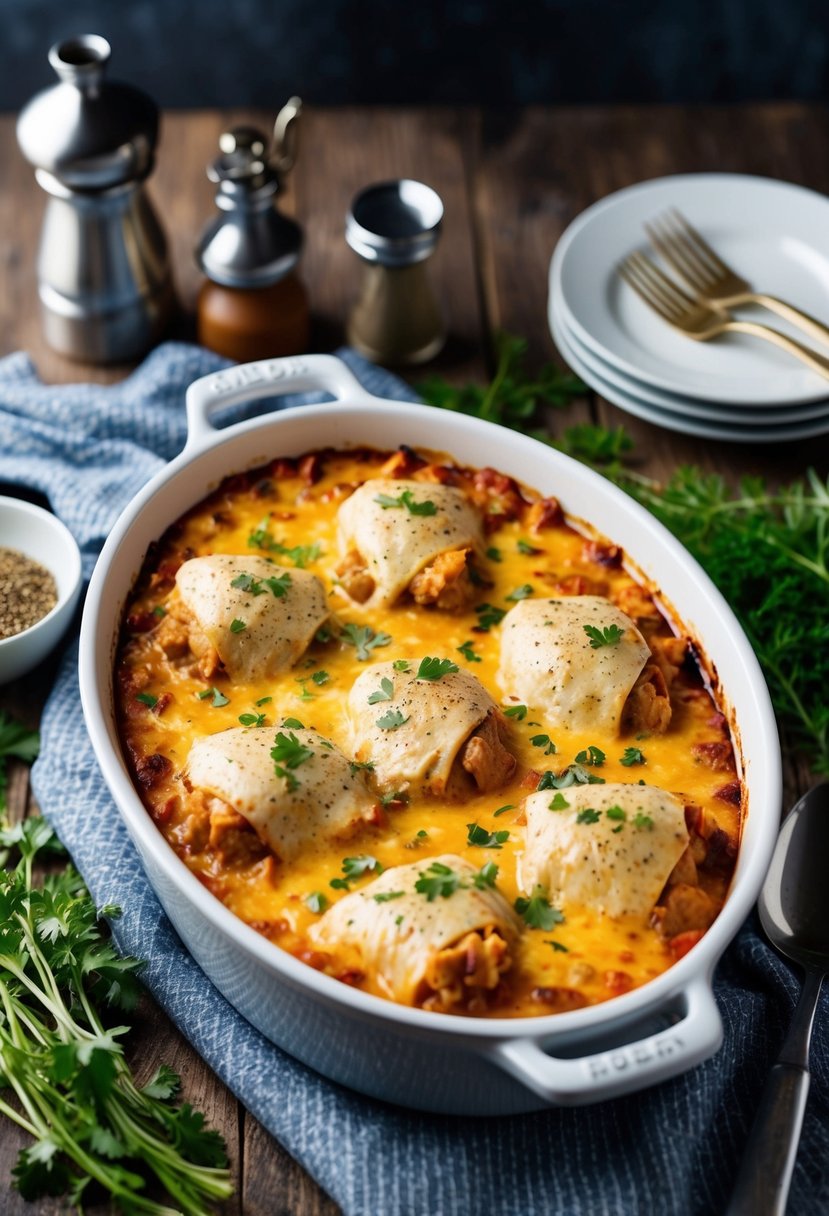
243 52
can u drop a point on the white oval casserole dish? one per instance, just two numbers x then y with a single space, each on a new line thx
430 1061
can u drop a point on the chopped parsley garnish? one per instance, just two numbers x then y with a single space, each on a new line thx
544 741
524 546
482 839
518 712
305 693
521 593
611 635
364 639
300 555
401 664
438 879
592 755
588 815
291 723
549 941
263 701
537 911
493 554
361 766
159 611
435 669
486 876
574 774
616 812
354 868
219 698
392 719
384 693
323 635
246 582
407 500
252 719
394 796
488 615
320 677
237 625
643 821
383 897
287 754
468 653
147 698
502 810
279 584
317 901
632 755
559 803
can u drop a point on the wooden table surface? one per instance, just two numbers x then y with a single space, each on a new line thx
511 183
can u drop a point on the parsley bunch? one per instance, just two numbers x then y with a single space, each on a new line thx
59 1058
64 1064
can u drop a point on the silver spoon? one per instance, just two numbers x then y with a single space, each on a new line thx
794 912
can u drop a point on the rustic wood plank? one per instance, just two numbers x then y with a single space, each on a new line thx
521 207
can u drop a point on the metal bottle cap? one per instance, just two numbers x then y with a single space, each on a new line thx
86 131
395 223
251 244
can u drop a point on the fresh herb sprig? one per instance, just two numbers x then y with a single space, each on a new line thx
63 1061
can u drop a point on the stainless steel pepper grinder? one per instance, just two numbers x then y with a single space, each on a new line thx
103 271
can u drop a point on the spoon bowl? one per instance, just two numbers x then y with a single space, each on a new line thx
794 901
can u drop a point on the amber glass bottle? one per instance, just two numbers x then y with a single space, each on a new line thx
253 304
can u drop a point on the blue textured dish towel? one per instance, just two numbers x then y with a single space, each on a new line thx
670 1151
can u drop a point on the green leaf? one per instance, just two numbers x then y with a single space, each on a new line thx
502 810
17 740
384 693
519 712
559 803
316 901
480 838
255 720
147 698
435 669
544 741
537 911
588 815
237 625
407 499
486 876
438 880
488 616
611 635
521 593
631 756
364 639
383 897
592 755
466 649
392 719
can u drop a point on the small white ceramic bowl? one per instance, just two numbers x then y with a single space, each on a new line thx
41 536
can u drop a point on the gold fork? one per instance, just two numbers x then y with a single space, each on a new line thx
699 321
714 283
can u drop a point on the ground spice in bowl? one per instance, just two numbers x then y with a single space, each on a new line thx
27 592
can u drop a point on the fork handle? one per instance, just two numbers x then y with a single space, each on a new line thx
818 363
809 325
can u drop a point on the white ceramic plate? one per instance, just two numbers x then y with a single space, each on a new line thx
740 415
775 234
683 423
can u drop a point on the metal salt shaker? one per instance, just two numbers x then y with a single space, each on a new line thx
103 271
394 227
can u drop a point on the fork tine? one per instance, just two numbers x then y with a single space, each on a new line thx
655 293
669 287
699 241
672 249
633 278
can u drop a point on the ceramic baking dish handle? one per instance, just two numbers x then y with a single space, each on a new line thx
593 1078
268 377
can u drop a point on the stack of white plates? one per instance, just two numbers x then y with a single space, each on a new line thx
736 387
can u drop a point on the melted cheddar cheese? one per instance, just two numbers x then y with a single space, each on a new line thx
552 939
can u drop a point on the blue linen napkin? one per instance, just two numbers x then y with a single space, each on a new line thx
671 1150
